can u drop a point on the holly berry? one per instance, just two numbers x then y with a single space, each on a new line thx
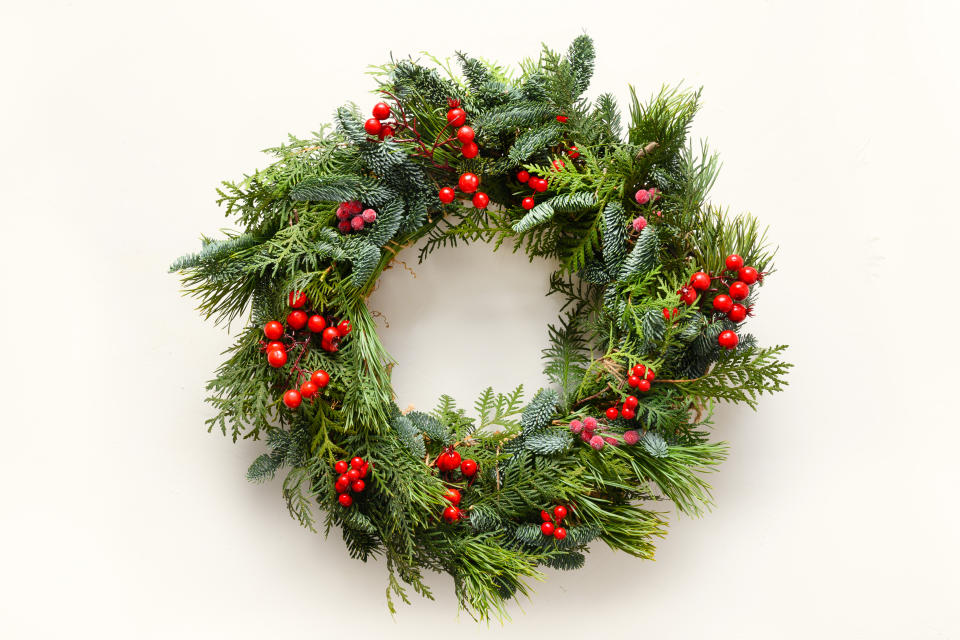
643 386
372 126
481 200
738 313
364 470
343 479
468 182
358 486
386 132
448 460
628 413
688 295
728 340
547 528
297 319
340 487
456 117
523 175
308 389
468 467
527 203
345 500
574 152
292 398
469 149
633 380
612 413
630 402
451 514
559 512
748 275
650 375
558 165
320 378
562 118
381 111
316 323
344 328
273 330
356 463
275 345
540 185
277 358
447 195
465 134
733 262
545 516
297 299
341 467
739 291
330 334
723 303
700 281
639 370
353 475
560 533
452 495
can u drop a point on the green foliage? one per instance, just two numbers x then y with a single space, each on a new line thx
617 287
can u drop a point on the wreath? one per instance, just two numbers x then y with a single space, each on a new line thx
657 285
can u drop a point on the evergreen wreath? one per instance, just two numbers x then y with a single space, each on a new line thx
656 281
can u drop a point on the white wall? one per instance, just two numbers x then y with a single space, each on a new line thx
122 518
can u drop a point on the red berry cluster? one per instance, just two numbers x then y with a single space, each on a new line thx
453 513
375 125
456 119
551 523
738 288
450 460
353 217
468 183
351 478
538 184
641 377
587 430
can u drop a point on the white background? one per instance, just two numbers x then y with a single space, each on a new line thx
122 518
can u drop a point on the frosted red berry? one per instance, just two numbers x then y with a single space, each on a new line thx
642 196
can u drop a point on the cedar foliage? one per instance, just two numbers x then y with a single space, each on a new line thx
615 283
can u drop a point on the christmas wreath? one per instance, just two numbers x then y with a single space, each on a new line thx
657 286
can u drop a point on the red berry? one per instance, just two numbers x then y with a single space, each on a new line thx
345 499
562 118
456 117
381 111
447 195
452 495
353 475
344 226
527 203
481 200
700 281
372 126
666 313
628 413
739 291
277 358
320 378
343 479
644 386
341 467
559 512
448 461
733 262
748 275
468 467
292 398
330 334
465 134
639 370
297 299
633 380
574 152
469 149
560 533
344 328
297 319
340 487
451 514
545 516
358 486
630 402
523 175
688 295
650 375
540 185
308 389
728 339
723 303
738 313
273 330
386 132
558 165
316 323
547 528
275 345
612 413
364 470
468 182
356 463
